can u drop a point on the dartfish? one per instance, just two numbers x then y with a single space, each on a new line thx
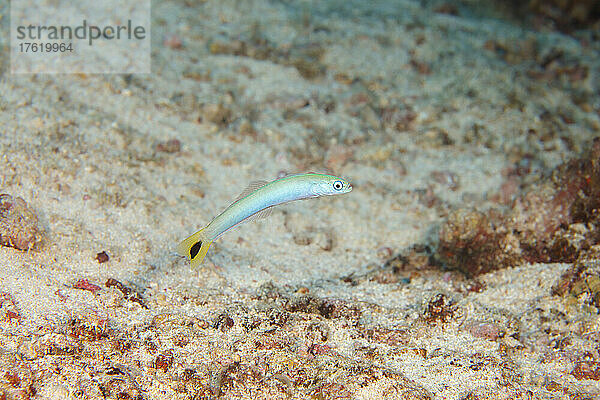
256 202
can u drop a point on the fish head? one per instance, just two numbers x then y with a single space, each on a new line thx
329 185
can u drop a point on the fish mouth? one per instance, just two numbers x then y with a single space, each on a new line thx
349 187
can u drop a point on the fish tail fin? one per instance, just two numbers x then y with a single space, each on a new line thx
195 247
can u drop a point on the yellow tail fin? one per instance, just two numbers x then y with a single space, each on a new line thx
194 248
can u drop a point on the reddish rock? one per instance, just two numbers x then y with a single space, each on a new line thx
18 224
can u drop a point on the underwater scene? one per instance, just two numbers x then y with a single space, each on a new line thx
447 241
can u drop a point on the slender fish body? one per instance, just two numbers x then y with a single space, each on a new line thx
256 202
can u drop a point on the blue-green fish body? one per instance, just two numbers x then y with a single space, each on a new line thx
256 202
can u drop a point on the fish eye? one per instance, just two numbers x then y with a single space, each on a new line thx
338 185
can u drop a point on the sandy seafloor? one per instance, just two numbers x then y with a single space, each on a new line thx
258 88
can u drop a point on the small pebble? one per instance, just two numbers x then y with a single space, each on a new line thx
384 252
216 113
170 146
302 239
485 330
173 41
102 257
324 240
302 290
164 360
446 178
84 284
161 299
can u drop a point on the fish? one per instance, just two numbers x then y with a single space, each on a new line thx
256 202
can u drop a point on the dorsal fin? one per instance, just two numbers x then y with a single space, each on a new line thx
252 187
